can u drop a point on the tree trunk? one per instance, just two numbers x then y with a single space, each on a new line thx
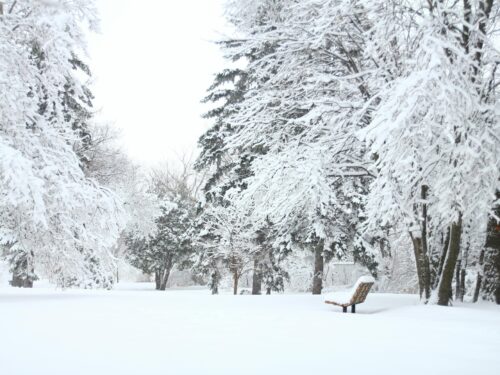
460 281
442 259
423 267
157 280
318 268
457 278
164 278
235 282
490 286
214 282
21 282
426 268
257 277
462 273
477 289
420 249
417 250
479 278
497 290
445 283
492 265
23 274
462 284
16 282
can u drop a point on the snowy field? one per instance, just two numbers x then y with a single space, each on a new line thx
136 331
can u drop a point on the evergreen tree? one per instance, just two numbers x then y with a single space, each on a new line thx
268 270
170 245
311 178
491 254
52 215
75 103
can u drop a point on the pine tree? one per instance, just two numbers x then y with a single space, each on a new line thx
170 245
491 285
226 171
312 171
52 215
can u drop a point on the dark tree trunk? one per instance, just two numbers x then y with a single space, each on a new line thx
479 278
492 277
23 274
420 250
497 290
442 259
497 293
16 281
460 281
462 284
157 280
257 277
426 268
417 250
477 289
490 283
423 267
318 268
457 279
462 265
164 278
21 282
214 282
235 282
445 290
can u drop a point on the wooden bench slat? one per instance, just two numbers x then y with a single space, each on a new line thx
359 295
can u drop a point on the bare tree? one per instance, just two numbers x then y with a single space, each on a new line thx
177 177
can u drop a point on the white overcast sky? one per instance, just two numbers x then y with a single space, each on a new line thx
152 63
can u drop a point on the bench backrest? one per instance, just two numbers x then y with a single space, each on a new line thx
362 290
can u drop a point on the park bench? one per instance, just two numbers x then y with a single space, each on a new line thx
352 298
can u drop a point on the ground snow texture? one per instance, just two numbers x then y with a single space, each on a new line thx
136 331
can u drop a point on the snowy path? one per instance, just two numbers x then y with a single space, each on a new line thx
190 332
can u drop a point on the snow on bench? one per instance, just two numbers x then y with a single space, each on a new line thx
353 297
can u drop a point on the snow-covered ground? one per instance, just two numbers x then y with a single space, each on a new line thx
133 330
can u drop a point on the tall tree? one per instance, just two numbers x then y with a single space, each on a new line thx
169 243
432 129
312 172
50 210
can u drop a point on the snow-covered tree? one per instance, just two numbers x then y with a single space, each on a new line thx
300 110
51 211
268 257
110 166
224 245
363 120
169 245
434 131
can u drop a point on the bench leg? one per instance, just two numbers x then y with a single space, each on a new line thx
344 309
353 309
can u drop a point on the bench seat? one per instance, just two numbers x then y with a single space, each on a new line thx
353 297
